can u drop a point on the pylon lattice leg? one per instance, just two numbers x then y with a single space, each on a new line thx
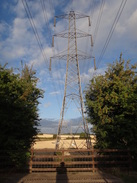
72 91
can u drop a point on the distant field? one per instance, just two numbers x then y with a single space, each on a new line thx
46 141
50 144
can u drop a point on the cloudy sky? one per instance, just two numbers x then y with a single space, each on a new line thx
113 27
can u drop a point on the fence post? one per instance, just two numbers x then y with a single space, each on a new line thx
31 158
62 159
93 162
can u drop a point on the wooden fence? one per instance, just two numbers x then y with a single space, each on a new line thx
49 160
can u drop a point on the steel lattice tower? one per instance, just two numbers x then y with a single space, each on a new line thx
72 90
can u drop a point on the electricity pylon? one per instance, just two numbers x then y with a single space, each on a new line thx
72 90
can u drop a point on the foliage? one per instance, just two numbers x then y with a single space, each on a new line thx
54 136
82 135
18 111
111 103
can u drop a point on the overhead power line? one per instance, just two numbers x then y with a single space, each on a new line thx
44 10
29 15
98 20
120 10
46 19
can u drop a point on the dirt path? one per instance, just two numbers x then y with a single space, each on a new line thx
81 177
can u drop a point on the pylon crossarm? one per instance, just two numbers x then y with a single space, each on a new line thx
72 56
77 15
80 52
80 35
65 34
66 16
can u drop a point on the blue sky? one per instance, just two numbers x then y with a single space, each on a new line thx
18 42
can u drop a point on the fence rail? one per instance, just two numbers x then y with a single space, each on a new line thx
78 160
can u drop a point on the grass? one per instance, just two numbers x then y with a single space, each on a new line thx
45 139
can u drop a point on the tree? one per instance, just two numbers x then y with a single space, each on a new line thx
18 112
111 103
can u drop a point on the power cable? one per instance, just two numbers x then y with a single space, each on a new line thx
46 19
120 10
87 63
98 20
97 25
45 15
26 7
57 49
29 15
92 4
50 39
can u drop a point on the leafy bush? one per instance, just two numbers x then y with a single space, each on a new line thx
18 112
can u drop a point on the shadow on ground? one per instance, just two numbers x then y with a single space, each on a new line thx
61 173
65 177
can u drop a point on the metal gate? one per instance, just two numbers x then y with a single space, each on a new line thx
61 161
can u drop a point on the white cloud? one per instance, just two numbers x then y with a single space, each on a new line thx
123 35
21 36
132 24
120 29
21 41
48 51
55 93
18 42
56 75
3 27
79 5
19 9
46 105
43 72
85 78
